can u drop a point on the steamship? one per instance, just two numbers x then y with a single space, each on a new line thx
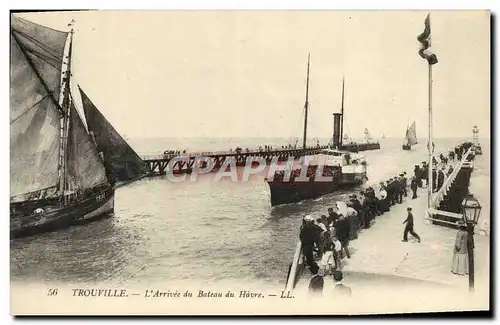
330 170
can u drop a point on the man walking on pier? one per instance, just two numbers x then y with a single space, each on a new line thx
409 227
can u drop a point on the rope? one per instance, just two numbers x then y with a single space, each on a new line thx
43 58
29 109
51 51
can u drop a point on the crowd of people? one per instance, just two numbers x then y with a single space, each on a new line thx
328 237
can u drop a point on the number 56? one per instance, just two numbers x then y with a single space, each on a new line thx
52 292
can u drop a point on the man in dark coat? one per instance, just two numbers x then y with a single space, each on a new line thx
409 227
356 205
425 172
390 191
310 235
405 184
396 185
375 204
366 211
401 190
434 179
418 175
332 215
414 187
343 232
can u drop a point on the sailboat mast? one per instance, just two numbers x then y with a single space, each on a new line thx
65 102
342 113
306 105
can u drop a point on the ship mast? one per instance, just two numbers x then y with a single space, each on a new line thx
306 105
65 103
342 114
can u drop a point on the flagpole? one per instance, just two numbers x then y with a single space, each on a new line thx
430 144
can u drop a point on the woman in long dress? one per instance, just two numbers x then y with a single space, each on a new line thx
460 264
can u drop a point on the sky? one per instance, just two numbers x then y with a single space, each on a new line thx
243 73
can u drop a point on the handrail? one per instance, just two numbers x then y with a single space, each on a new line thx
232 153
449 180
446 213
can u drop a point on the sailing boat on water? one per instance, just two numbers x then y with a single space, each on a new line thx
410 137
121 162
368 136
57 177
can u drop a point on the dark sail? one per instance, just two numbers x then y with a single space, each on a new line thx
121 161
36 56
57 176
85 168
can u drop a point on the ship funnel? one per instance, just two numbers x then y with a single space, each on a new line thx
336 130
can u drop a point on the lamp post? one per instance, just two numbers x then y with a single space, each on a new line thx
471 210
475 131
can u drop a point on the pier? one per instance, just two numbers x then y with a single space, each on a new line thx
184 163
378 252
356 147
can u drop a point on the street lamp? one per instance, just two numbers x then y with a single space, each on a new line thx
471 210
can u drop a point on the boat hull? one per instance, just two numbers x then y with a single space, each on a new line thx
91 208
293 192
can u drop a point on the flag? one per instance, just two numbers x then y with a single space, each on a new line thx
425 43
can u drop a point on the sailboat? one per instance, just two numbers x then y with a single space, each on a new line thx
57 176
121 162
368 136
344 168
410 137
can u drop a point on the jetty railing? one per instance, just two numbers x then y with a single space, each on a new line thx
438 197
292 275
